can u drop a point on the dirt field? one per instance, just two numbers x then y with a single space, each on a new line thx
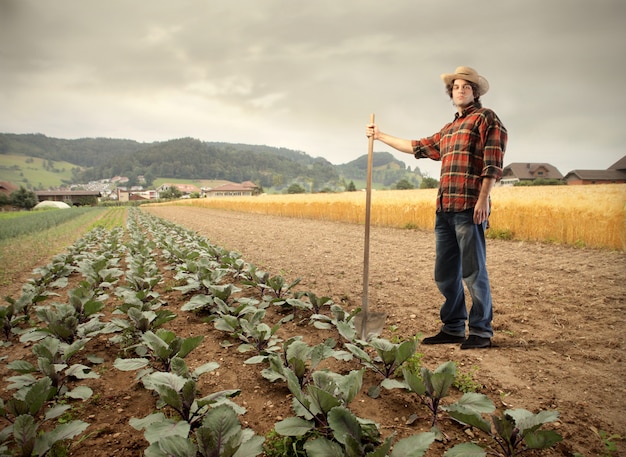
558 319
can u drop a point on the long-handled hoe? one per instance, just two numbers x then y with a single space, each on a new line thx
368 324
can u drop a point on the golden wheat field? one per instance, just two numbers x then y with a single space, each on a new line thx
592 216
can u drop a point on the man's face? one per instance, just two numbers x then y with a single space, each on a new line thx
462 93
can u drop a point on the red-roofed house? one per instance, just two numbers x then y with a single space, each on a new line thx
245 189
7 188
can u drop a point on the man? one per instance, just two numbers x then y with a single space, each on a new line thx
471 149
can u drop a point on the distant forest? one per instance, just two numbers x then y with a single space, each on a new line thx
188 158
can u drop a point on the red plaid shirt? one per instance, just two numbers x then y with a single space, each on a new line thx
470 148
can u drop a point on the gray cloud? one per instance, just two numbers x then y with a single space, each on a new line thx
306 75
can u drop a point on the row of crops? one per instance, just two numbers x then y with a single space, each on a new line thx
125 266
23 223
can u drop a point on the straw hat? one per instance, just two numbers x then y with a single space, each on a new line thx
468 74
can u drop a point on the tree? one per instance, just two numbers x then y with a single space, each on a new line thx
404 184
295 189
171 193
23 198
429 183
148 178
351 187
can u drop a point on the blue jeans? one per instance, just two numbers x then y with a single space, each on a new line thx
461 256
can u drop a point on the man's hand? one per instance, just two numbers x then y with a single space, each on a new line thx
371 131
402 145
481 210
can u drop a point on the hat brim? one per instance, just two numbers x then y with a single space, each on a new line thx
483 84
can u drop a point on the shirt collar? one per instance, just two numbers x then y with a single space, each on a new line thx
470 109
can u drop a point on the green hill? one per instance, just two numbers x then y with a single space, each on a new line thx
34 173
184 159
386 170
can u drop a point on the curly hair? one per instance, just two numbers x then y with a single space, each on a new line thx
475 91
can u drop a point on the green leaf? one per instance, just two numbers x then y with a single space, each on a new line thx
298 366
405 350
390 384
245 347
130 364
154 342
504 426
219 397
22 366
344 423
205 368
413 446
358 352
542 439
189 344
56 411
178 445
255 360
80 393
447 367
298 349
293 426
350 384
170 397
441 383
197 302
21 381
321 447
294 386
465 450
321 400
81 372
92 307
251 447
414 382
468 416
179 367
24 433
477 402
59 283
139 424
525 420
62 432
346 330
38 394
164 379
158 430
223 423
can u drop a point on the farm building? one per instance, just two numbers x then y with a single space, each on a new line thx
71 197
615 174
7 188
124 195
186 189
245 189
525 172
51 204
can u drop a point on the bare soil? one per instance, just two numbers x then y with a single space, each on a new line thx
558 318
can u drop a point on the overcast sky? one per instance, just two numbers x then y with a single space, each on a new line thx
306 75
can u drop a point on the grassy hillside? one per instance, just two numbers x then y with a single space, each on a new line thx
34 173
193 182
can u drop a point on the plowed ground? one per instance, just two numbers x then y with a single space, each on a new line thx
559 320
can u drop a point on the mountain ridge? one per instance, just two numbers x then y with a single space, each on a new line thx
189 158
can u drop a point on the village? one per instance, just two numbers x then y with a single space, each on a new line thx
115 190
